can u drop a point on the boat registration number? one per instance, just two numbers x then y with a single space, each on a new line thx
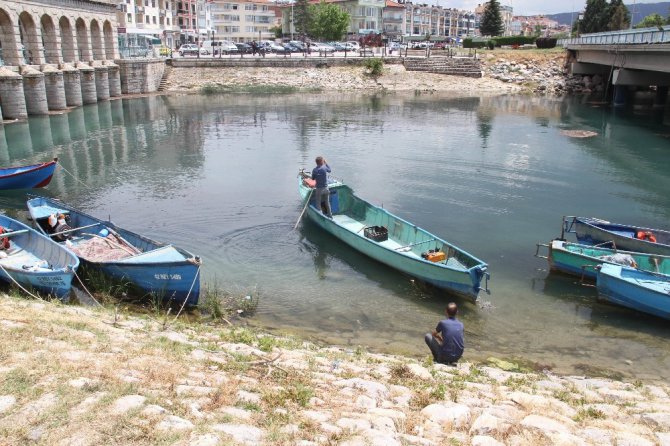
167 276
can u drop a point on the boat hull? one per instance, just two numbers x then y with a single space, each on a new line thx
464 281
582 260
27 177
639 290
169 273
29 251
592 231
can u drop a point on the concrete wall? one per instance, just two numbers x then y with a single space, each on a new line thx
279 62
140 75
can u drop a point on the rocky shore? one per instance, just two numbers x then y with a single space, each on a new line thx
79 376
504 71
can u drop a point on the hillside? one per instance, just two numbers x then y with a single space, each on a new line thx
638 12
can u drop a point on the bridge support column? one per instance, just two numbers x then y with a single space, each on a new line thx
620 95
661 96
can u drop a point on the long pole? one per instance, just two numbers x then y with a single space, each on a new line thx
309 197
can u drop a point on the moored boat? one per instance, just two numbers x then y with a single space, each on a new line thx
27 177
594 231
640 290
395 242
167 272
582 260
33 260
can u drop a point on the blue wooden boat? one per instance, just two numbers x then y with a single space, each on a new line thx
640 290
163 270
594 231
33 260
395 242
27 177
582 260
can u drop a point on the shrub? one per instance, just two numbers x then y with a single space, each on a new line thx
514 40
375 65
474 43
491 44
546 42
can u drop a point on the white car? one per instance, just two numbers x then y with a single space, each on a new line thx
321 47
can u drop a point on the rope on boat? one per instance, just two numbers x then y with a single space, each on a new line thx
77 179
81 282
197 275
19 285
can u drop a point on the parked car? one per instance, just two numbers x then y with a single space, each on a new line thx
293 48
227 47
298 44
440 46
352 45
244 48
188 49
321 47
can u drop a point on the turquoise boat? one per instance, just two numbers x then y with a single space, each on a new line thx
581 260
395 242
33 260
640 290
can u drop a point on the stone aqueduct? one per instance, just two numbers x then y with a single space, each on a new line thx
51 34
59 54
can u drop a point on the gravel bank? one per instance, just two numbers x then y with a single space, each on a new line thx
72 375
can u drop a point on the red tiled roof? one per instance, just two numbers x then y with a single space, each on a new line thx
392 4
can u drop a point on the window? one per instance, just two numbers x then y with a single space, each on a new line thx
231 18
167 20
249 7
130 18
146 19
154 20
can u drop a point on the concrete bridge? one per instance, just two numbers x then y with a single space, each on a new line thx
629 58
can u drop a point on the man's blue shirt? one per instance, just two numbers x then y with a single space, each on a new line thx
320 174
453 343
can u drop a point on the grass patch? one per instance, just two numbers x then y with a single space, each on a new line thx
214 89
589 413
18 382
220 304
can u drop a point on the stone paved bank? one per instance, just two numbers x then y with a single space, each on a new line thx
71 375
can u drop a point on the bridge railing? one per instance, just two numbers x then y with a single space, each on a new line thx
659 34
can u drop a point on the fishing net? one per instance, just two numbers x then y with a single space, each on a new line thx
103 249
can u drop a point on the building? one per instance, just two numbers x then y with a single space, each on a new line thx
243 20
393 17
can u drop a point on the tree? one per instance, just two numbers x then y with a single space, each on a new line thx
600 16
619 16
277 31
329 21
491 23
302 19
651 21
596 17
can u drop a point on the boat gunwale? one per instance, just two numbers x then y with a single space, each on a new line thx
29 169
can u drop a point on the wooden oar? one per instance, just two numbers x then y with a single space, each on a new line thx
9 234
74 229
309 197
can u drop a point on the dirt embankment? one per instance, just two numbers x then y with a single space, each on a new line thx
504 71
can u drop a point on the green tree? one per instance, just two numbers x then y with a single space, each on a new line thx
302 18
619 16
329 21
652 20
491 23
596 17
277 31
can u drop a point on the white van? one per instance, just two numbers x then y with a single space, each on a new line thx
214 47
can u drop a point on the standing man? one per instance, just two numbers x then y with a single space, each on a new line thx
320 175
446 341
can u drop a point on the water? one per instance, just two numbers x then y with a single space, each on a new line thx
494 175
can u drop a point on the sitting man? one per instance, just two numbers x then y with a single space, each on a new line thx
446 341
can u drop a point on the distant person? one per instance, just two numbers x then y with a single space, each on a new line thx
446 341
254 47
322 193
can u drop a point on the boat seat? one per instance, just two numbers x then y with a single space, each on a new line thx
44 211
163 254
630 234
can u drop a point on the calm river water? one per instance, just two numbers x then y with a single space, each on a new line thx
494 175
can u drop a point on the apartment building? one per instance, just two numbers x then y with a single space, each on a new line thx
243 20
393 18
439 23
